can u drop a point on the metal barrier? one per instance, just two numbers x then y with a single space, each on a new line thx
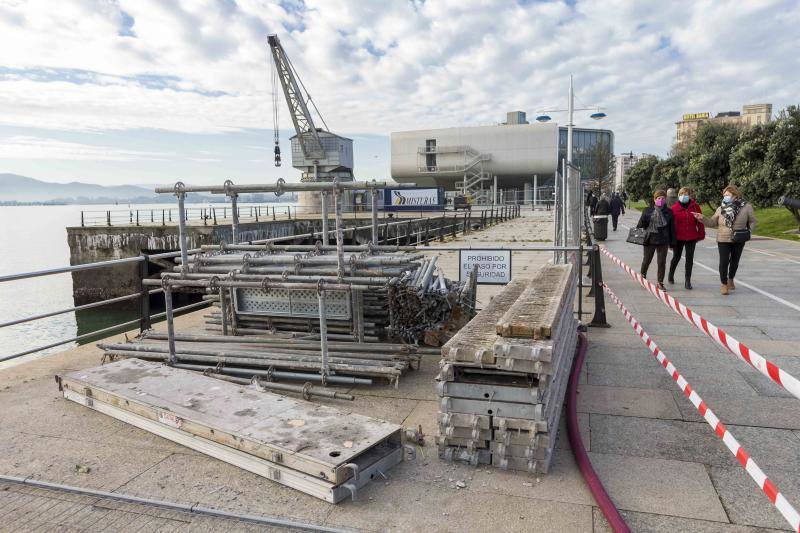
394 231
596 275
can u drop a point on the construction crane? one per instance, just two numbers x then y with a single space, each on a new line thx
318 153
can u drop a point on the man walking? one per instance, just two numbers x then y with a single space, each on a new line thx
617 207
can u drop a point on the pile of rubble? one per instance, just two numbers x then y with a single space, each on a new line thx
503 377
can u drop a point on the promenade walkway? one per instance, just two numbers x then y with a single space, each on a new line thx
637 413
662 465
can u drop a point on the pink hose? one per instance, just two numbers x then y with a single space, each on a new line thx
579 451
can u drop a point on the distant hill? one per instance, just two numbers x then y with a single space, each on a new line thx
16 188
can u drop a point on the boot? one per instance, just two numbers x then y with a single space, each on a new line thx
671 276
724 289
688 284
662 287
731 286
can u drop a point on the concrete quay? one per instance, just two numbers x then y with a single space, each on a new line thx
661 464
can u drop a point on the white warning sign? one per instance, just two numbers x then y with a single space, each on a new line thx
494 266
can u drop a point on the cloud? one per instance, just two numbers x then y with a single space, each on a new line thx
30 148
202 66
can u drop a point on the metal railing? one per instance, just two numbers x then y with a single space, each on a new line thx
416 231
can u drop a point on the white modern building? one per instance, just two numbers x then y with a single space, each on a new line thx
505 161
478 159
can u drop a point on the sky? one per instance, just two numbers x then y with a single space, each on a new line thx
153 91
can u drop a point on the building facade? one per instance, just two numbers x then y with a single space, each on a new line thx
584 144
505 160
622 164
750 115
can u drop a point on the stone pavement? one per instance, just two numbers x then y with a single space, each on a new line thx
661 464
637 412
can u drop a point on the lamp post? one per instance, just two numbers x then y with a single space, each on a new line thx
565 192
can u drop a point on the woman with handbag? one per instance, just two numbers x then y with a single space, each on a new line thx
688 231
659 234
734 220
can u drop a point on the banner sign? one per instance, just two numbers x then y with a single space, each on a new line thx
417 199
494 266
696 116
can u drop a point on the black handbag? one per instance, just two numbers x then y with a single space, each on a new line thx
637 236
741 235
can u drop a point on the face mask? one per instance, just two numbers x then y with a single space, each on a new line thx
727 198
684 198
660 202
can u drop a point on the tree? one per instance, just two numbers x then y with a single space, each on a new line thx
709 156
600 167
782 160
637 179
669 173
749 169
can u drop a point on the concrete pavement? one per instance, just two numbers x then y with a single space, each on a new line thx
661 464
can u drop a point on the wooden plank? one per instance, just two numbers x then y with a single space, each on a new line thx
276 472
475 341
315 439
534 313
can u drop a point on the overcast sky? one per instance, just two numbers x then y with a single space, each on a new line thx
150 91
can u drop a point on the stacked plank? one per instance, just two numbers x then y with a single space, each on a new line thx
325 452
503 377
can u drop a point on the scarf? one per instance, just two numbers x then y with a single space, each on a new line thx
731 210
657 221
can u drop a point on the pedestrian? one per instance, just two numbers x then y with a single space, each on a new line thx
603 207
592 204
659 234
688 230
672 197
734 220
625 198
617 208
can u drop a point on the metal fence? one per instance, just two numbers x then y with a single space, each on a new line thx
416 231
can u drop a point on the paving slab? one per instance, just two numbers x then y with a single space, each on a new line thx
625 401
689 441
676 488
768 412
736 490
656 522
55 459
456 510
563 483
706 378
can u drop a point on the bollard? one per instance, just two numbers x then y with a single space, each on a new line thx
599 318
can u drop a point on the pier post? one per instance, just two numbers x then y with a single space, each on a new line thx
325 215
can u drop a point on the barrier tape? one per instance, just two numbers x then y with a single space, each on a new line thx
770 489
740 350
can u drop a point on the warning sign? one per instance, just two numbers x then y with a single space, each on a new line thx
494 266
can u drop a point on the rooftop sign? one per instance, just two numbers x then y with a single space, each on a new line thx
696 116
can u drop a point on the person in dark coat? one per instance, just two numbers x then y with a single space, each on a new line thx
688 231
617 208
593 205
603 207
660 234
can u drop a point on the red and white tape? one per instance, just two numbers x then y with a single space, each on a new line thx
778 500
740 350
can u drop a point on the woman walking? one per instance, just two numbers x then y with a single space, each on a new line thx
687 232
734 220
659 235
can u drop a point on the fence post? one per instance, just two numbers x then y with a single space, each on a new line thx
108 217
163 218
144 296
130 217
81 218
599 318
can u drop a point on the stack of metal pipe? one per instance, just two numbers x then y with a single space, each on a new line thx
274 357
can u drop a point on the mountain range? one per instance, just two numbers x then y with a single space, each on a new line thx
22 189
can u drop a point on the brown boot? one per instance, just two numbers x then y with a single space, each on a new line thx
724 290
731 286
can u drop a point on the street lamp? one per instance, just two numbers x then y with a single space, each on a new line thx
545 117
